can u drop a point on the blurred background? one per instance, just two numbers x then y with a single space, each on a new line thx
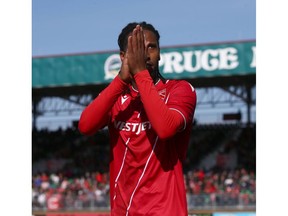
211 44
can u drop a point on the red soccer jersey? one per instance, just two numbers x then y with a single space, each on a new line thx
146 176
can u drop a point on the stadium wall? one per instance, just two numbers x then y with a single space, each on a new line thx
220 212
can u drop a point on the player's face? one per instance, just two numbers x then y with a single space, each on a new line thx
152 52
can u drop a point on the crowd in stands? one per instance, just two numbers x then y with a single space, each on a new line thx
55 191
71 170
224 188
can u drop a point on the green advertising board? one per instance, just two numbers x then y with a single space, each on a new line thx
184 62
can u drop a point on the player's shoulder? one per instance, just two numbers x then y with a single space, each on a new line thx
181 84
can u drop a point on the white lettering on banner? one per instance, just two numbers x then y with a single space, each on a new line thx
213 63
188 66
193 61
253 63
189 61
172 62
132 127
228 55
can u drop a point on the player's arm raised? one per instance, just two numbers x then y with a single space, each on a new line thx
166 122
96 115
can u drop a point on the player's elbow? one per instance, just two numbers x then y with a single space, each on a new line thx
170 128
84 128
165 133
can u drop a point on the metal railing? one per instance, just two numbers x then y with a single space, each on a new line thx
102 202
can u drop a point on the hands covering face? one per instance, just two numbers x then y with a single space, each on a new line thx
134 58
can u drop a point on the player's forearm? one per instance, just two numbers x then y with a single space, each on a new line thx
165 122
96 114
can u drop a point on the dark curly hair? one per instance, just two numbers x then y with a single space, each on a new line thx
123 36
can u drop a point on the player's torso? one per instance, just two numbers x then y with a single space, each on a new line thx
138 158
129 119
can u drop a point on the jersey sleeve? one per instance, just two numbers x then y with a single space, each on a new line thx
170 116
96 114
182 98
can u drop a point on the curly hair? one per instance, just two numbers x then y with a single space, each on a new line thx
123 36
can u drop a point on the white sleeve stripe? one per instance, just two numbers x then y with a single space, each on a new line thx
191 87
182 116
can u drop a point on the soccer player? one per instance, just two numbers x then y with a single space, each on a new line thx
149 120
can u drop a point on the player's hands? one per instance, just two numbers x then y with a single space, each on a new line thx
124 73
136 51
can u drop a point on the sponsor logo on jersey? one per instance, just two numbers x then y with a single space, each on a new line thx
133 127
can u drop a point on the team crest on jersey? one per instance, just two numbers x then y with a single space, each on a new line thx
162 93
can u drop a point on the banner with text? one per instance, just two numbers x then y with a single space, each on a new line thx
185 62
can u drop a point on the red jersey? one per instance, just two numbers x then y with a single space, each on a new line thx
149 134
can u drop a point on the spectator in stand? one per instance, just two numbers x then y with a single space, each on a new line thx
37 181
200 174
42 198
99 177
210 189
